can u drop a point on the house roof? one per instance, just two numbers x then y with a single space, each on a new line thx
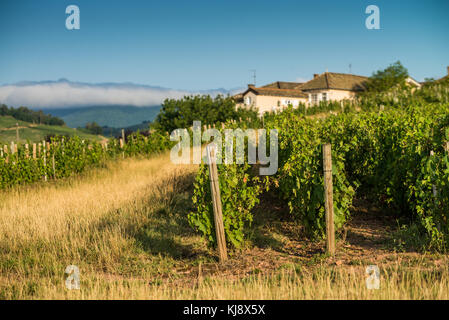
238 97
263 91
284 85
338 81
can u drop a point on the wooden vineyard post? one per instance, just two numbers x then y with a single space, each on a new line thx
34 151
17 132
53 165
44 143
5 150
329 199
27 151
123 136
13 151
216 202
121 147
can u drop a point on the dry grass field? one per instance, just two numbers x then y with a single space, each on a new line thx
125 227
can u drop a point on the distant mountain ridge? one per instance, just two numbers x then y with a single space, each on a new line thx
111 116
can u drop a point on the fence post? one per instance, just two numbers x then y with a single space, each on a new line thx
329 199
27 151
5 150
123 136
53 165
44 143
216 202
13 151
34 151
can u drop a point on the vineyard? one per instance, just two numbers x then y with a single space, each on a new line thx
63 157
140 226
394 150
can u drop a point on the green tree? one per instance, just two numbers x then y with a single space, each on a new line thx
182 112
384 80
94 128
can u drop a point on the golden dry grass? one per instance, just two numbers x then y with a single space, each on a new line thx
125 227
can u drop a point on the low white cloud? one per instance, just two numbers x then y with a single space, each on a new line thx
63 93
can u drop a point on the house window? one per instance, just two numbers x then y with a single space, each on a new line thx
314 98
324 96
248 101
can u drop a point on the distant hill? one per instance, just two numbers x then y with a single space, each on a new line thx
35 132
116 132
111 116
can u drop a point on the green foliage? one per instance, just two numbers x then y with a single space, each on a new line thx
181 113
383 152
300 175
94 128
239 194
72 155
383 80
239 191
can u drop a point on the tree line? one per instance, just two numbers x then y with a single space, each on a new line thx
28 115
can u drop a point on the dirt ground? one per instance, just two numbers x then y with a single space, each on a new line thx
277 241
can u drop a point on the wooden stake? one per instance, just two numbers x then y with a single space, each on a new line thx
329 199
45 159
34 151
27 151
53 165
17 132
216 201
5 150
123 136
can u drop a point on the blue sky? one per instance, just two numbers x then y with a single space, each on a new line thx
196 45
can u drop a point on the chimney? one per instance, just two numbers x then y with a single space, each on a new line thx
251 86
448 70
315 75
